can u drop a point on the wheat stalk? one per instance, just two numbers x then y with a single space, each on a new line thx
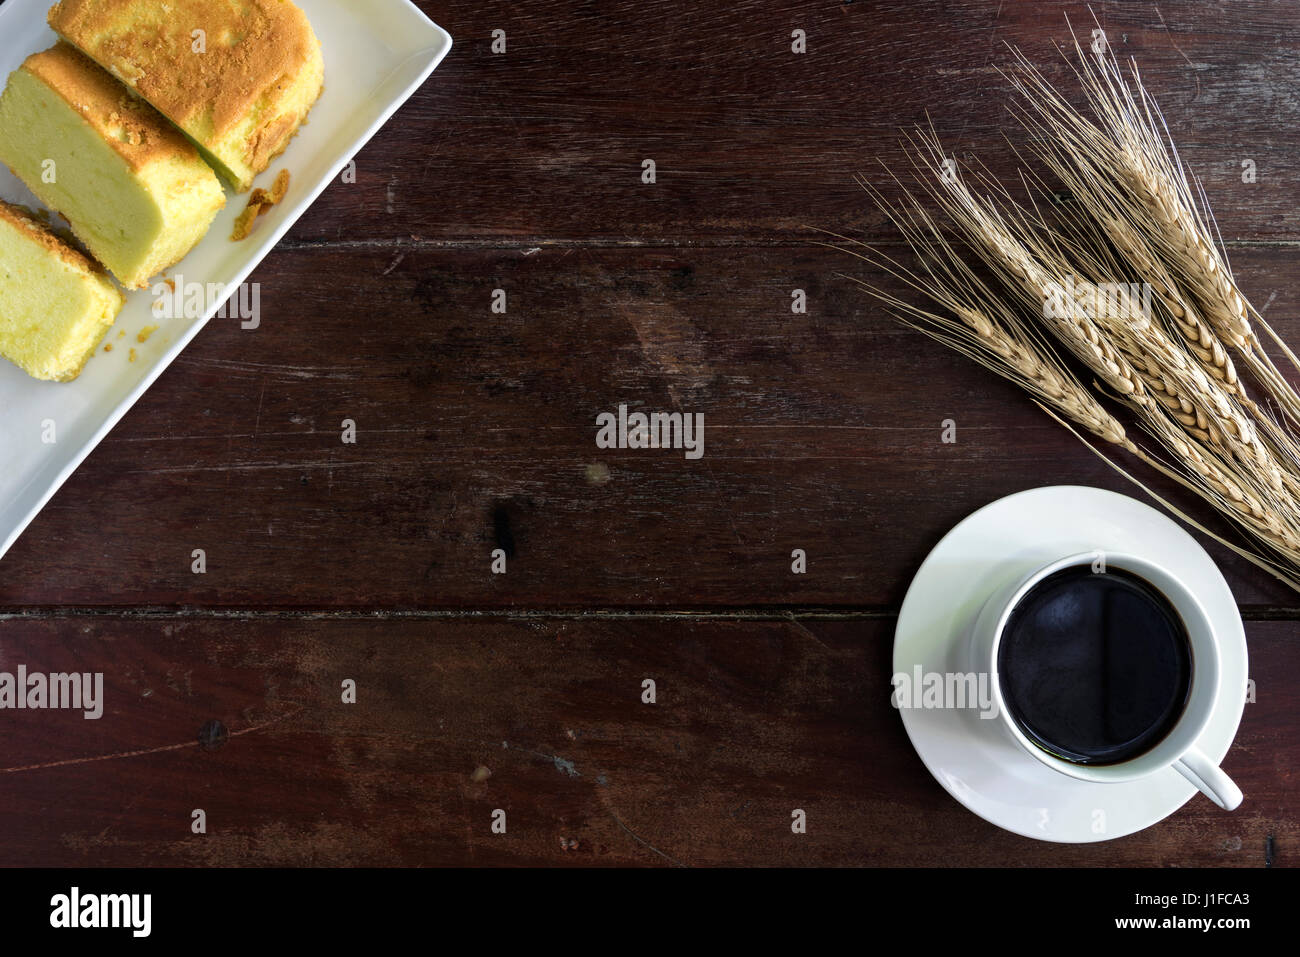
1084 157
985 329
1192 414
1127 171
1171 356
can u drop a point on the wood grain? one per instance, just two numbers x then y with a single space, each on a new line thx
545 142
477 431
752 721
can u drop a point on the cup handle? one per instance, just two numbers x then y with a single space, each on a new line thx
1207 776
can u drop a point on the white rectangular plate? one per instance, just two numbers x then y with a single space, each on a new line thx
376 55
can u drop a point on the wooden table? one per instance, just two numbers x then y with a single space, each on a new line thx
475 431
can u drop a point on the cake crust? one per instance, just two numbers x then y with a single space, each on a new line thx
135 130
242 97
134 190
59 360
27 222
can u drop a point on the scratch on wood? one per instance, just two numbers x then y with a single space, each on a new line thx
142 751
805 630
273 369
251 467
993 32
638 838
1181 54
260 397
562 765
724 613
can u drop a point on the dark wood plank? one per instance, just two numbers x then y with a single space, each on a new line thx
545 142
477 431
752 721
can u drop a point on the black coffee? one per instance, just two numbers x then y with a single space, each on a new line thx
1095 667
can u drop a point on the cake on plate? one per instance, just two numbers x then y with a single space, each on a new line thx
55 303
133 189
238 76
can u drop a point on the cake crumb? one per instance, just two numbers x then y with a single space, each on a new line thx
258 203
280 188
159 307
121 333
131 357
244 223
143 335
108 347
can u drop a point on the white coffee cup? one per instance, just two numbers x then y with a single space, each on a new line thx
1178 748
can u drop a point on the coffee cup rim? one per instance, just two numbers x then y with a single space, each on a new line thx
1205 678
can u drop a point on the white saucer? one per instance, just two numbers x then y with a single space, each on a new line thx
980 765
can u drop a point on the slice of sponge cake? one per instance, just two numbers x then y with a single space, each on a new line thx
134 190
238 76
55 304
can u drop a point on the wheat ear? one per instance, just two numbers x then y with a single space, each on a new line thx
1006 242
